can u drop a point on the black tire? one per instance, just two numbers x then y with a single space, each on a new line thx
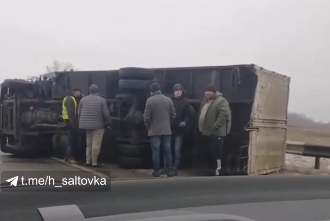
135 84
45 151
3 142
54 142
44 144
131 73
59 145
135 163
129 150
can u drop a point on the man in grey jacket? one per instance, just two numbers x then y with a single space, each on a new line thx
93 116
158 114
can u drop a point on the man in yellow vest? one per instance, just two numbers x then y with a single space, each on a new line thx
70 117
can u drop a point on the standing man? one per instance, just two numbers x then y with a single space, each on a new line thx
69 115
183 114
214 124
158 115
93 115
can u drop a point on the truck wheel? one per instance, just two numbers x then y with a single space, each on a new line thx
45 151
59 145
135 163
3 142
129 150
136 74
56 142
135 84
45 148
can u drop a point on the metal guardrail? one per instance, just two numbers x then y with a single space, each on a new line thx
310 150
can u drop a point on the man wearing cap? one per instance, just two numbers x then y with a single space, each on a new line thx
69 116
214 123
158 114
183 114
94 116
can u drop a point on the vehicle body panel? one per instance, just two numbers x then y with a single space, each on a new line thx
268 123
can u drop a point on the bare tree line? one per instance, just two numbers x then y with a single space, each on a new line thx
301 120
58 66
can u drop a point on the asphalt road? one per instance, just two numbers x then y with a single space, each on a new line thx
149 195
10 163
173 193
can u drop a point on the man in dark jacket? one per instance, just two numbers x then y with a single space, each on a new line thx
158 115
69 115
183 114
214 123
93 116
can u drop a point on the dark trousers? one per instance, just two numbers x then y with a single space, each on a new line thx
214 150
177 141
73 139
156 143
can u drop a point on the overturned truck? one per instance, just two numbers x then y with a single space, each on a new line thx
31 122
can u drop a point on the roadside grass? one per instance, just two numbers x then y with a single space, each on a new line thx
310 135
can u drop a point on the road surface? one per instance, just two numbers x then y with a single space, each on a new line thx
11 163
42 167
127 197
11 166
57 169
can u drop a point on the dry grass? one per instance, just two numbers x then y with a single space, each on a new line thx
310 135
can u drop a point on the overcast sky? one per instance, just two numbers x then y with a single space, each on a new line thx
291 37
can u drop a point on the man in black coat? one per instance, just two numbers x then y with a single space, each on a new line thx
183 115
